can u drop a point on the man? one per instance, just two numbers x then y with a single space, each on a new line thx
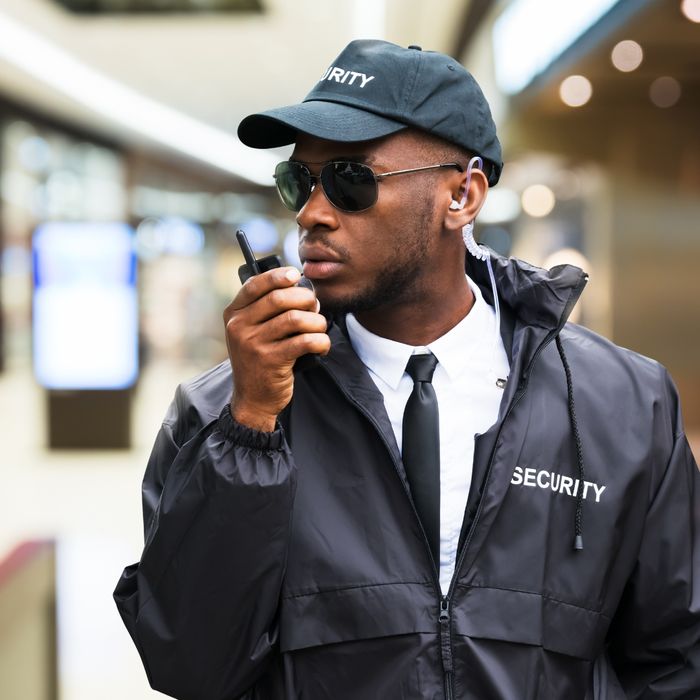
331 528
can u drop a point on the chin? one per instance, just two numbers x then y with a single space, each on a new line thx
337 305
391 287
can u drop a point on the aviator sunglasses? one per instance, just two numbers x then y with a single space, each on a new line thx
348 186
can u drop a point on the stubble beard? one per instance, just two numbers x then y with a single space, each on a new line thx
398 282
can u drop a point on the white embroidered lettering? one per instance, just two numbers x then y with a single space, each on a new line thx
557 483
346 77
586 486
598 492
517 476
566 483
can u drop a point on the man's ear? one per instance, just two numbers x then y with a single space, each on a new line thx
466 204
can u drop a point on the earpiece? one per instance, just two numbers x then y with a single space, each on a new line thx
475 161
468 230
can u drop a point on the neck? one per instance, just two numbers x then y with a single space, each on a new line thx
424 320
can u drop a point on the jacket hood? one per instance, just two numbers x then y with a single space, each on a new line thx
537 296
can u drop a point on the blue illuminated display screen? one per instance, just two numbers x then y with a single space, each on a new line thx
85 307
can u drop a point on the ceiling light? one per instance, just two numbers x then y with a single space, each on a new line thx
537 200
123 105
575 90
523 50
627 56
691 9
665 91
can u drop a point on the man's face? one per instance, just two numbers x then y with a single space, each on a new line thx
383 256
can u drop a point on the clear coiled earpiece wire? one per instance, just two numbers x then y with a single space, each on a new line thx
479 252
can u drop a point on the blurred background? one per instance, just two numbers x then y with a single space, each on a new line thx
122 184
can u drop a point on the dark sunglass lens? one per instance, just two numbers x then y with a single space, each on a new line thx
293 184
349 186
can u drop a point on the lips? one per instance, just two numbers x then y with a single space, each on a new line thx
319 263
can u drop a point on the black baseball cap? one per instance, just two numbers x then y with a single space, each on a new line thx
375 88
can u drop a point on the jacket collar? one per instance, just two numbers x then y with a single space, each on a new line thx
528 295
534 296
534 304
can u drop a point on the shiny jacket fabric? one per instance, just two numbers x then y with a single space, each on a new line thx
292 565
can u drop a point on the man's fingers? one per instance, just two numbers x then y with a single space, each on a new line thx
260 285
275 301
279 301
295 321
304 344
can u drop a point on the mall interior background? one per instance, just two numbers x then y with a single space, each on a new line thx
117 123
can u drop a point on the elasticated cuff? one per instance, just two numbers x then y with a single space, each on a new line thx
249 437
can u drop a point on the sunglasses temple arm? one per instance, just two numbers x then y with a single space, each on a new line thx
380 176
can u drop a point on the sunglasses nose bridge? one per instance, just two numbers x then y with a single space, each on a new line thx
313 208
314 182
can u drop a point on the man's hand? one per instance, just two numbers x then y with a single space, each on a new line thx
270 324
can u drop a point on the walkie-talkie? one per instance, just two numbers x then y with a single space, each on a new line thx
255 266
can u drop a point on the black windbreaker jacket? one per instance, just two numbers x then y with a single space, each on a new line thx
292 565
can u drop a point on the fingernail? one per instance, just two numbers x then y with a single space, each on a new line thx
292 275
318 305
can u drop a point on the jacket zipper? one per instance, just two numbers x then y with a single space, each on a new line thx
446 645
444 615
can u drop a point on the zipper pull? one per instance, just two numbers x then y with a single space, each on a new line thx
445 641
445 610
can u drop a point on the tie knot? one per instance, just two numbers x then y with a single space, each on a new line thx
421 367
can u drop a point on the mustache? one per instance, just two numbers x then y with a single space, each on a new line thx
319 238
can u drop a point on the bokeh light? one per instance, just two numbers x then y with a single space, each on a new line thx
575 90
627 55
502 204
691 9
664 92
538 200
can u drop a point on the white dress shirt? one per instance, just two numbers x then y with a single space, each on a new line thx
471 358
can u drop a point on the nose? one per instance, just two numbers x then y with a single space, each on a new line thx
317 211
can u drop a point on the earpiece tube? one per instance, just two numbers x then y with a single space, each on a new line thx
479 252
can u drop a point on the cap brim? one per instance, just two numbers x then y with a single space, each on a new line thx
324 120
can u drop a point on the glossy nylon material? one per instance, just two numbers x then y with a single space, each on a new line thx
293 565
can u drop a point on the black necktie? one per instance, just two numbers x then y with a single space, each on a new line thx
421 447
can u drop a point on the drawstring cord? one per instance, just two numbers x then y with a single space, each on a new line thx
578 540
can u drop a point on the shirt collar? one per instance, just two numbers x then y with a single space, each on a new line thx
386 358
454 350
